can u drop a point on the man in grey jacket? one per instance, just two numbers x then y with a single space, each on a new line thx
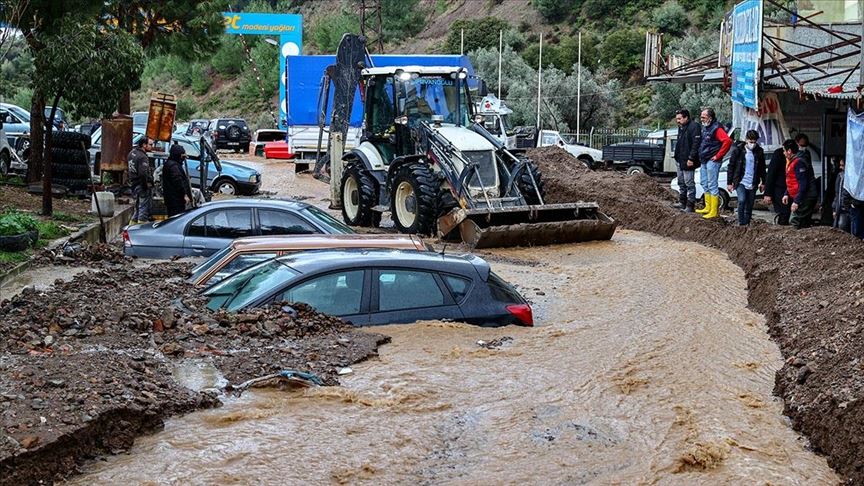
141 180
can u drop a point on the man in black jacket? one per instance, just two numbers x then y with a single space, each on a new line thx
746 173
775 186
175 183
687 158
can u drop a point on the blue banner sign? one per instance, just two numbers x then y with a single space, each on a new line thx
746 52
289 30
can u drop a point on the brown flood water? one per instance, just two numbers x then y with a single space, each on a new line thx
633 376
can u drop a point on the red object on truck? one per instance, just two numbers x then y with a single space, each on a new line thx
278 150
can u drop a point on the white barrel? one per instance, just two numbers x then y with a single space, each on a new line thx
106 203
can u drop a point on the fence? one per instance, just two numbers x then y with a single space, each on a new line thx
599 137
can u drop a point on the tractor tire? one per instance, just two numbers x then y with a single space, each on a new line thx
70 171
414 192
359 195
69 156
70 140
526 187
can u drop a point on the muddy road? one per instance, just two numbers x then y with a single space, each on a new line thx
632 376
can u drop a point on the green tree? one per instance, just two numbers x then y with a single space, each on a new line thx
479 34
556 10
670 18
622 51
327 33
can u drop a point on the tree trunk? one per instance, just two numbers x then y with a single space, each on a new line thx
37 136
47 197
125 106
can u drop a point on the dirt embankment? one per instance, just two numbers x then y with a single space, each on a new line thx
86 366
809 284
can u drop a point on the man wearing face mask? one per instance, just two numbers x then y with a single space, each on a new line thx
746 173
687 158
175 183
713 147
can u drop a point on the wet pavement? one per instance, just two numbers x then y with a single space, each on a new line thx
634 374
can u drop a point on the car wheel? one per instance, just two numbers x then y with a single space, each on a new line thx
635 169
225 186
413 204
724 200
5 163
587 162
359 195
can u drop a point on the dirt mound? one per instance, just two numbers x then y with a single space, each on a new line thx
82 254
809 284
86 365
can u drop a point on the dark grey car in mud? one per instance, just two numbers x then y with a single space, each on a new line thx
378 286
211 227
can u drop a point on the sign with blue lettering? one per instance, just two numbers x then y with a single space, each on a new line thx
287 27
746 52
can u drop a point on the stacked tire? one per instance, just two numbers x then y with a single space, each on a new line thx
70 161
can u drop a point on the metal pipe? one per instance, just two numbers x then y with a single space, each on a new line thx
539 80
500 53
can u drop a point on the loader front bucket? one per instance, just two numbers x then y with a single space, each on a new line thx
528 225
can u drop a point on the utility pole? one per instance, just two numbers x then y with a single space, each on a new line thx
500 53
579 89
462 43
370 24
539 80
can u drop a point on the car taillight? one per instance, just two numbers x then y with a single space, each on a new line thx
126 241
523 313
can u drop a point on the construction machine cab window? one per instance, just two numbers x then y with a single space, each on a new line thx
427 95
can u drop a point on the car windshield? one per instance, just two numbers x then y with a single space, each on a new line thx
328 221
429 95
249 285
204 267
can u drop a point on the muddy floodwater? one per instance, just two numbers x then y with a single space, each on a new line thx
635 374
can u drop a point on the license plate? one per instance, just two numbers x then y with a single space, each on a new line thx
233 143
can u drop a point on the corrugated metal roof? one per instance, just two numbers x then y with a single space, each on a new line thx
819 87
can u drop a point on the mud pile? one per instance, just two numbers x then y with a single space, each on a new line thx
809 284
82 254
86 366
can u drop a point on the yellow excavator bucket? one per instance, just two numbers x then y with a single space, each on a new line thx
538 225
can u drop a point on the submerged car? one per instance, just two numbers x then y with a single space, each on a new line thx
243 253
212 226
377 287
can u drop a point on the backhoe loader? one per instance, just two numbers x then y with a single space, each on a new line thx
425 157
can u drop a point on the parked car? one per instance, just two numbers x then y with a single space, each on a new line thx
234 178
60 121
263 137
374 287
139 121
230 133
212 226
5 149
197 128
17 122
243 253
96 148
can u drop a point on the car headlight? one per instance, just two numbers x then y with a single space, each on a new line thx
253 178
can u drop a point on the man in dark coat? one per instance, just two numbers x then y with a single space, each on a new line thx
141 179
801 189
775 185
687 158
746 173
175 183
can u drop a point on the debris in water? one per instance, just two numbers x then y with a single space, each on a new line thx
495 343
283 379
344 371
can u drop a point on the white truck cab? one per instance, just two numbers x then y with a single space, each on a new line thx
496 119
588 155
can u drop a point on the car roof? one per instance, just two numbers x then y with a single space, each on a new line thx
301 242
256 202
323 260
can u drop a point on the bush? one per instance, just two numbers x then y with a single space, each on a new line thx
622 51
201 80
671 18
15 223
327 33
185 111
228 60
555 10
479 34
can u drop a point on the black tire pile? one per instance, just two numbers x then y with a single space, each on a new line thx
70 161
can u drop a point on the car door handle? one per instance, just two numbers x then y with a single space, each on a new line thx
198 248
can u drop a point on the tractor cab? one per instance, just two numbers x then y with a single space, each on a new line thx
399 99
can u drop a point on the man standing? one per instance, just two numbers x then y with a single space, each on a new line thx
687 158
842 200
141 180
746 173
775 185
801 187
175 185
713 147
